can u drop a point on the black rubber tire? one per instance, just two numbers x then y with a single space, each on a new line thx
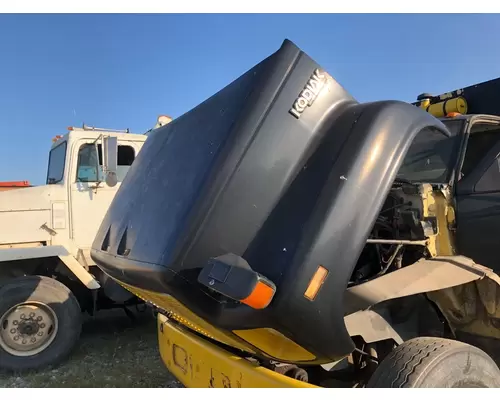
65 306
428 362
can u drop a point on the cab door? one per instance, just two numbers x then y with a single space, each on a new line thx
478 197
90 195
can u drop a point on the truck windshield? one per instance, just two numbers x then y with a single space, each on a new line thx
431 156
57 159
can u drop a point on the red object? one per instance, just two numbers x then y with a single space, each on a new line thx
13 185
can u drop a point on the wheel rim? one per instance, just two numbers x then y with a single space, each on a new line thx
27 329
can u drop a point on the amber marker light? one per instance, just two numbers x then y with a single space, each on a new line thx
260 297
316 282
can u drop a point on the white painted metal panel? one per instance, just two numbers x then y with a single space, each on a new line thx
24 226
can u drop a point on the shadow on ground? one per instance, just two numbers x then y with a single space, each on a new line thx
113 351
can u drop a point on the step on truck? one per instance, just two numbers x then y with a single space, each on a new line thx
294 237
47 277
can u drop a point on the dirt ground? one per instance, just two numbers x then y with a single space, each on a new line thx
113 352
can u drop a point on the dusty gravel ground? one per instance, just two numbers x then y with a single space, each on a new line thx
113 352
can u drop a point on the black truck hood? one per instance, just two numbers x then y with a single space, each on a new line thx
283 168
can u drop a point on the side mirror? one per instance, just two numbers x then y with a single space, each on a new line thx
110 160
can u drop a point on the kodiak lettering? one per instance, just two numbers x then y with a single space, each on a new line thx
306 98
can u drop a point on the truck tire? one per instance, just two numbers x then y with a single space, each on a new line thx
40 323
437 363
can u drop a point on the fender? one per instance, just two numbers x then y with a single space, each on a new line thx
372 326
26 253
422 277
426 275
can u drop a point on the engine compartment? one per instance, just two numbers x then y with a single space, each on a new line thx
398 236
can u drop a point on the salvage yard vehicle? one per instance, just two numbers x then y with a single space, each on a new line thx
291 236
47 277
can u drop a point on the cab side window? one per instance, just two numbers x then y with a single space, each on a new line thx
490 181
481 139
90 162
126 156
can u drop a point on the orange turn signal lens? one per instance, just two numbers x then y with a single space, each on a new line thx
260 297
316 282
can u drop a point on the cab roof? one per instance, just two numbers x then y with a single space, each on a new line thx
79 133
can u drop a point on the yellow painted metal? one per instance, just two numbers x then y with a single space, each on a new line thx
441 109
436 204
265 341
182 314
275 344
197 363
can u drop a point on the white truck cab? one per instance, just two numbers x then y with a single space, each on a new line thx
47 277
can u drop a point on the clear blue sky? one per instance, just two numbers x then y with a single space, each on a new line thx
120 71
